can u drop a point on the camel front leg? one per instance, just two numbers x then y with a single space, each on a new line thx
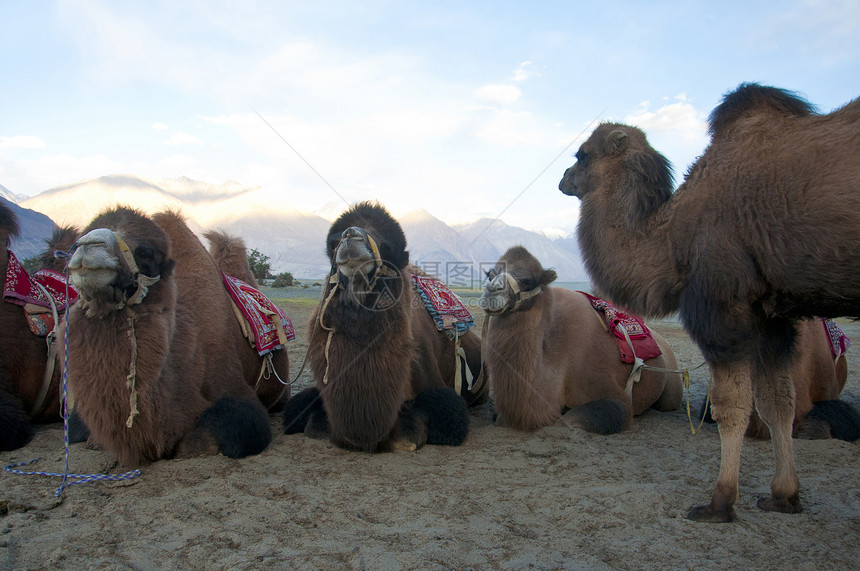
731 407
774 400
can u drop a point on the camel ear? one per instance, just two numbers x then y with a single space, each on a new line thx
616 141
547 277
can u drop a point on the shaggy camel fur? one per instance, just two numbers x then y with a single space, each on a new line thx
547 351
763 232
157 364
818 380
383 371
24 354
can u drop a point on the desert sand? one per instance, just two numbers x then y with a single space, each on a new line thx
552 499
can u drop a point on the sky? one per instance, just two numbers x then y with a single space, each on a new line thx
464 109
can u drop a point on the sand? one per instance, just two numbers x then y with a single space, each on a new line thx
552 499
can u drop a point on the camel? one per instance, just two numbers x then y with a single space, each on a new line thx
28 390
760 234
158 366
548 350
818 378
384 372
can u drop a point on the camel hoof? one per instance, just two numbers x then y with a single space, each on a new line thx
403 445
789 505
710 514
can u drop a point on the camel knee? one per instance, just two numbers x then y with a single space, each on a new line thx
607 416
239 426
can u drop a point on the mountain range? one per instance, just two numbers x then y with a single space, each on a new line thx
293 240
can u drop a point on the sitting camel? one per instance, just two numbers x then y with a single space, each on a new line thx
29 383
819 372
760 235
158 366
548 351
384 371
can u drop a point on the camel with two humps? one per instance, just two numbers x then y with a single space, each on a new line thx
158 365
385 374
762 233
551 359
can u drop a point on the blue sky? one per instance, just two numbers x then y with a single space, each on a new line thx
466 109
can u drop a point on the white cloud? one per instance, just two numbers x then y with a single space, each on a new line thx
680 118
160 127
22 142
501 94
523 72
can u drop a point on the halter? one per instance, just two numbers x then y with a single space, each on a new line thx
521 295
142 281
380 270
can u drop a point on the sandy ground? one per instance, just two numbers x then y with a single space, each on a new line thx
552 499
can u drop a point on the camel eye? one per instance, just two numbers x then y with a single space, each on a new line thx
581 156
491 273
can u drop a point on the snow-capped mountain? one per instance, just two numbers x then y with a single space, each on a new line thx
295 240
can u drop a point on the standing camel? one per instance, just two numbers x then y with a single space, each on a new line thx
763 232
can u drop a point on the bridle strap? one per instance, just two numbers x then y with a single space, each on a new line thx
521 295
142 281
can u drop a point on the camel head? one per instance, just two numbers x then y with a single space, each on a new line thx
618 164
120 255
514 281
364 244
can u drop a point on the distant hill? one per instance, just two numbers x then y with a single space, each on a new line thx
36 229
295 240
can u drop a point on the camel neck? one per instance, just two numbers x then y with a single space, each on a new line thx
632 263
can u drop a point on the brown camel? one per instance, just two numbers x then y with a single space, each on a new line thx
25 397
761 234
818 379
384 372
549 351
158 365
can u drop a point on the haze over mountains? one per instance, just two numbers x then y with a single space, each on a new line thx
295 240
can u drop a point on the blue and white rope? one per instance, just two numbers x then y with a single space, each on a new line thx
68 479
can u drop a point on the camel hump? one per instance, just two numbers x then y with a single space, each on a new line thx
8 222
230 255
753 96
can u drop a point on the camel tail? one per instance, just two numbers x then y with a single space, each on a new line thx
600 416
843 418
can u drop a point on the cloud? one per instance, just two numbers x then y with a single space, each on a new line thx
502 94
160 127
680 118
22 142
523 72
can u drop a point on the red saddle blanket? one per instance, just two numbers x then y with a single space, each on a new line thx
261 315
446 309
839 342
618 322
21 288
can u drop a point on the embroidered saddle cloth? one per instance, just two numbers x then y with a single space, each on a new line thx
265 324
444 306
618 323
35 294
839 342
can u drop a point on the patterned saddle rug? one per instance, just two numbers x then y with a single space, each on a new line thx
36 293
265 324
839 342
446 309
618 323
